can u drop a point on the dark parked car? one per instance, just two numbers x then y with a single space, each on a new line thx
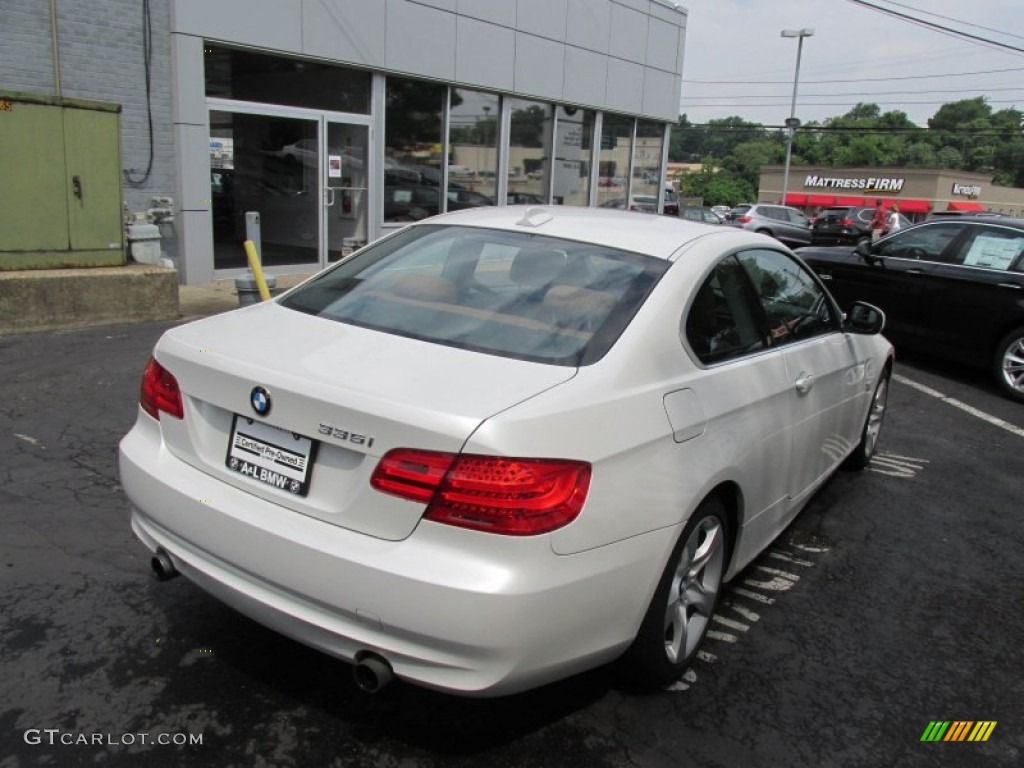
785 224
846 225
952 287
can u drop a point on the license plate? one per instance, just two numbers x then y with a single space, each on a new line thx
271 455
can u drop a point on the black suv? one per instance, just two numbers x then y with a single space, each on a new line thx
846 225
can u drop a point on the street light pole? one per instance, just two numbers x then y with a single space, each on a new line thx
792 122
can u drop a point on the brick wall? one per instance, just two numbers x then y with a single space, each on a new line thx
101 57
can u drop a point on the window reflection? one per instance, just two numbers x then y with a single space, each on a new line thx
574 140
473 149
616 148
529 173
251 76
650 139
413 149
267 165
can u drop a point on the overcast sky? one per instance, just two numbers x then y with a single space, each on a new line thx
737 43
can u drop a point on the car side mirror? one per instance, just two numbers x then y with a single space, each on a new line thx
863 249
864 318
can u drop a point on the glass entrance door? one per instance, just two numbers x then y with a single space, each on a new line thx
266 164
345 188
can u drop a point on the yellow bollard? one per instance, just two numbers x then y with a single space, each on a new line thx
257 270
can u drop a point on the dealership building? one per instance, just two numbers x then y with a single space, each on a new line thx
918 191
327 123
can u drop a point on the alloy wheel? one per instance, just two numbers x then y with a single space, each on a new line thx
694 589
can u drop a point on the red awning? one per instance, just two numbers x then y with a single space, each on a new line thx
957 205
795 198
914 206
850 201
821 200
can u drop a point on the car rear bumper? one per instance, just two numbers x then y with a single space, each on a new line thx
448 608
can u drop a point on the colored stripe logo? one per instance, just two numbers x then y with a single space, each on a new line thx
958 730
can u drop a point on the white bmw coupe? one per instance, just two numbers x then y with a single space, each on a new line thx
504 445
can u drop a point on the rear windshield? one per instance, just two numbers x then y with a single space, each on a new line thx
504 293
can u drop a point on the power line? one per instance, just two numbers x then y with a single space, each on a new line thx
804 105
856 80
855 93
958 21
937 27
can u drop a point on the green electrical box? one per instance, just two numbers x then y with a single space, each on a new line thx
60 200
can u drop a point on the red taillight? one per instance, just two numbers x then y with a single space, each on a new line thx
848 222
160 392
745 219
518 497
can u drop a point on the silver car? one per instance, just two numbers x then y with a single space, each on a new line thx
786 224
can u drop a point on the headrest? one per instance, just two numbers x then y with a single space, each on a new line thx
536 267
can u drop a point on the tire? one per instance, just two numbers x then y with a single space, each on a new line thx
1008 364
868 444
680 611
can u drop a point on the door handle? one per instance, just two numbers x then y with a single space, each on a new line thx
76 185
1014 286
915 271
804 383
329 197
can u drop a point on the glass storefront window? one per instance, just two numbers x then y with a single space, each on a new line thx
574 141
269 165
251 76
472 149
616 149
413 148
650 139
529 161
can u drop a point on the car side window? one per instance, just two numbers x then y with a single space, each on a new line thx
926 243
795 307
721 323
991 248
795 217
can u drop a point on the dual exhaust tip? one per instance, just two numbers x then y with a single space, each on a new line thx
371 672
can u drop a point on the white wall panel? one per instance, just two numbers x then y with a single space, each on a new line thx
629 34
347 30
503 12
586 74
444 5
540 66
189 93
420 40
662 44
542 17
624 90
589 25
268 23
661 94
485 55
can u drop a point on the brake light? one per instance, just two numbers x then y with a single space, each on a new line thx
516 497
160 392
848 222
745 219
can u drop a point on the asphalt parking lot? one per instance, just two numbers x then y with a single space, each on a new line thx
895 600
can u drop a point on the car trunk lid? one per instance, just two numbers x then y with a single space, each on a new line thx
339 397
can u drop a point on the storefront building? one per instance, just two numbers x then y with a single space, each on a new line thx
336 121
918 191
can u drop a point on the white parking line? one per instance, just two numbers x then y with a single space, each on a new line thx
994 420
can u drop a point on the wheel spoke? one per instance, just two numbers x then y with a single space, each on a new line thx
694 588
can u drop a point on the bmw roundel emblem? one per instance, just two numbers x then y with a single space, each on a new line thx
259 399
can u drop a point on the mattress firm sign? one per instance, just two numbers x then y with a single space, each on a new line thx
862 185
967 190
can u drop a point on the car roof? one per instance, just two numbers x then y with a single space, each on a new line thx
645 233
